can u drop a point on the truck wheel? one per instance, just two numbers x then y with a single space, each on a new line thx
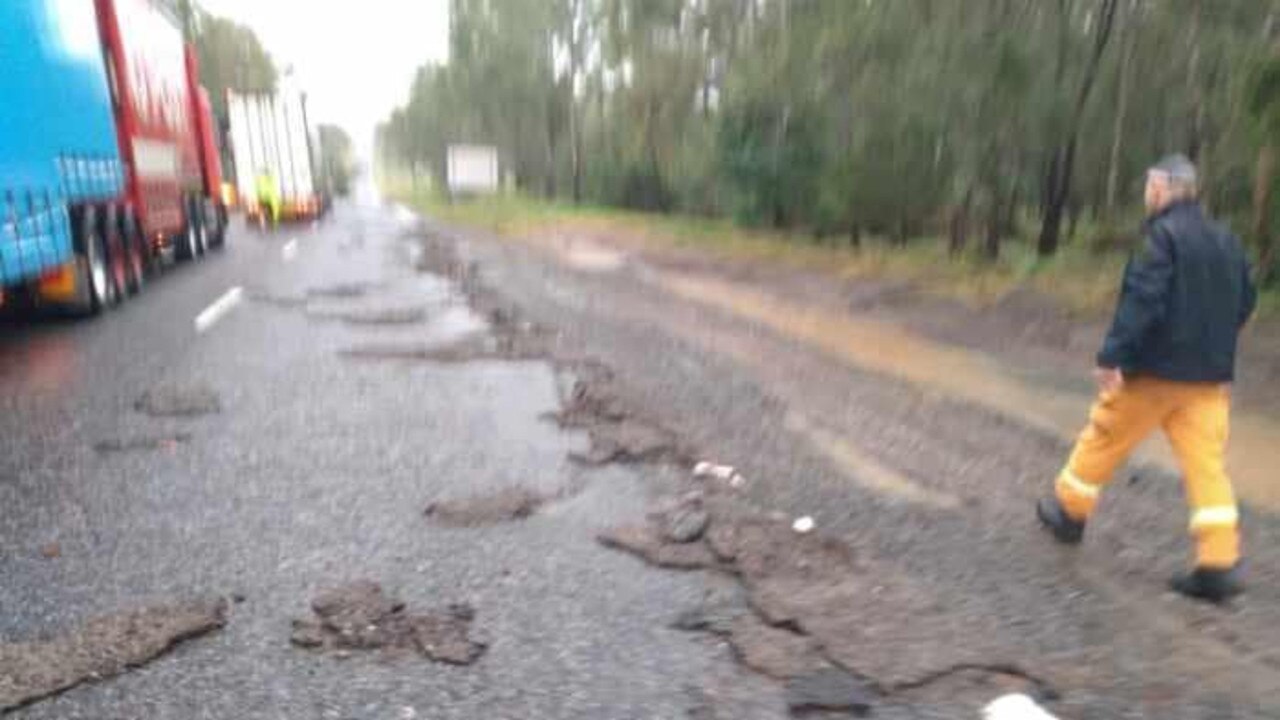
189 244
117 250
216 222
202 226
94 276
135 252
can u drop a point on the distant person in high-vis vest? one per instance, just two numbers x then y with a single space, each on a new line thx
1168 362
268 192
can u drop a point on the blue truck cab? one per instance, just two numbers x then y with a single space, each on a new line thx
58 141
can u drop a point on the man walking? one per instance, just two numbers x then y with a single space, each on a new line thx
1168 362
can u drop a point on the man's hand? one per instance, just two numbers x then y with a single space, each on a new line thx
1109 379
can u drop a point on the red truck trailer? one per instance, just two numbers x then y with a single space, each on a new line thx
165 127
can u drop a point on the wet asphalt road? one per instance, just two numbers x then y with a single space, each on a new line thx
316 472
317 469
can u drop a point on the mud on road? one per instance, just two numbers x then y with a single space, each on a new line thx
946 594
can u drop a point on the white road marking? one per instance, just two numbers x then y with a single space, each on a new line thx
219 308
290 250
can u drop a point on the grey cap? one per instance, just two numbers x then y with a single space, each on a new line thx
1177 167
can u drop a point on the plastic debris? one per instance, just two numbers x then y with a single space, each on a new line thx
1015 707
725 473
803 525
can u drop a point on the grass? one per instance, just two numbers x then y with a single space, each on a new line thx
1080 280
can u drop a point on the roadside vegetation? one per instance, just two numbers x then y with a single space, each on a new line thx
1015 131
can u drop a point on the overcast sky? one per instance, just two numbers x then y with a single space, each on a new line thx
354 58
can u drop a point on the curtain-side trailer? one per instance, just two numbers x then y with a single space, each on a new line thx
271 147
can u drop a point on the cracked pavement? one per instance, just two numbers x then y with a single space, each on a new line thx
354 390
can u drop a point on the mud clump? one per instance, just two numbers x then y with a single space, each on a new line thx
359 616
618 433
779 653
103 648
172 400
141 444
503 506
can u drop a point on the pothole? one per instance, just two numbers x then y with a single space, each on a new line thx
145 443
179 400
266 297
507 505
341 291
102 648
359 616
375 316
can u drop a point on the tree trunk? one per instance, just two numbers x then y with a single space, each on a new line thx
1059 183
1263 179
959 236
1122 114
855 235
1195 91
991 248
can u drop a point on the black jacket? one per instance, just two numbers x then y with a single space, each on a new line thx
1186 295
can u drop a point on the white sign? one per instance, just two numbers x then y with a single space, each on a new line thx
473 169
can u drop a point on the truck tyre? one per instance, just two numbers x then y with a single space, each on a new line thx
117 255
135 251
216 222
93 278
189 243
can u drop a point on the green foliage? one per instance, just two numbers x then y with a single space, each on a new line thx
231 57
336 164
849 117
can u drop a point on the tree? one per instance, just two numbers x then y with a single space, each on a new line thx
1062 164
231 58
336 163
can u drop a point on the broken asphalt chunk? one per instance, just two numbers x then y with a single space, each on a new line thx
359 616
104 647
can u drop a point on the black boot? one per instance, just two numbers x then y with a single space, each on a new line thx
1208 584
1056 520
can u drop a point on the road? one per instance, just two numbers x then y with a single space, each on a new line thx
318 466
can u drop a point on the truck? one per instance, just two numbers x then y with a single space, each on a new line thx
272 150
109 164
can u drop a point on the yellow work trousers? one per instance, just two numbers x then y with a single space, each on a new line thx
1195 418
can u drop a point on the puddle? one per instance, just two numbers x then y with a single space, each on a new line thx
887 349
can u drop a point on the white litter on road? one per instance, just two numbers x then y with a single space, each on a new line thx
803 525
290 250
1015 707
219 308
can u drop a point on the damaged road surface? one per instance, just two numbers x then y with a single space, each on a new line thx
264 460
447 476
